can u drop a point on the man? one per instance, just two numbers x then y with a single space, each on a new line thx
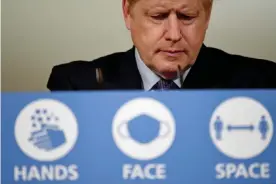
168 53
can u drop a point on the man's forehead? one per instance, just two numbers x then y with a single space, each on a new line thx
175 3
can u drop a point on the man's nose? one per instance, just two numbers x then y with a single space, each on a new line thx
173 31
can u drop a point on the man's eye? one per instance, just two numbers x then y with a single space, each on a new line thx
185 17
160 16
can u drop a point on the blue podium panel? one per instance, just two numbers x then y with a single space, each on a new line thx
193 137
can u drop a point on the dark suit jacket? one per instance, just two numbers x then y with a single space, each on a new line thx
213 69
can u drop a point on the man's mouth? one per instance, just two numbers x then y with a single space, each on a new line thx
172 52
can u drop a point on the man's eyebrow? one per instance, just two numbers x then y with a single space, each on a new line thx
183 7
154 7
149 10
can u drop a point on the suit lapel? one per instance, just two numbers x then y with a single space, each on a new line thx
203 73
126 76
130 77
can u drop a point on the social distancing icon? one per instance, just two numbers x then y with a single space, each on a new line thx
241 128
262 128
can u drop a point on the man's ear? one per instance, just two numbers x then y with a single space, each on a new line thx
209 14
126 13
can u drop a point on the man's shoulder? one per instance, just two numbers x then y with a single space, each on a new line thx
100 62
246 69
236 59
83 73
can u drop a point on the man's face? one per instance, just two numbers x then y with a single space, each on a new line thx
167 33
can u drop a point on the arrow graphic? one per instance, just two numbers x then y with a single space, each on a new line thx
240 127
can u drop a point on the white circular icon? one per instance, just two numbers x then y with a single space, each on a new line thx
139 107
46 130
241 128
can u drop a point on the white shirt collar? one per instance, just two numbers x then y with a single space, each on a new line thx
149 78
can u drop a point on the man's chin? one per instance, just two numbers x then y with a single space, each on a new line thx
169 75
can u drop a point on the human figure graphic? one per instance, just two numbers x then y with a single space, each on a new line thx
263 127
218 126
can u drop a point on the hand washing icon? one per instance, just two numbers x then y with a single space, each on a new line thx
46 134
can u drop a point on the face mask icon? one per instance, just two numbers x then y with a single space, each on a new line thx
144 129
